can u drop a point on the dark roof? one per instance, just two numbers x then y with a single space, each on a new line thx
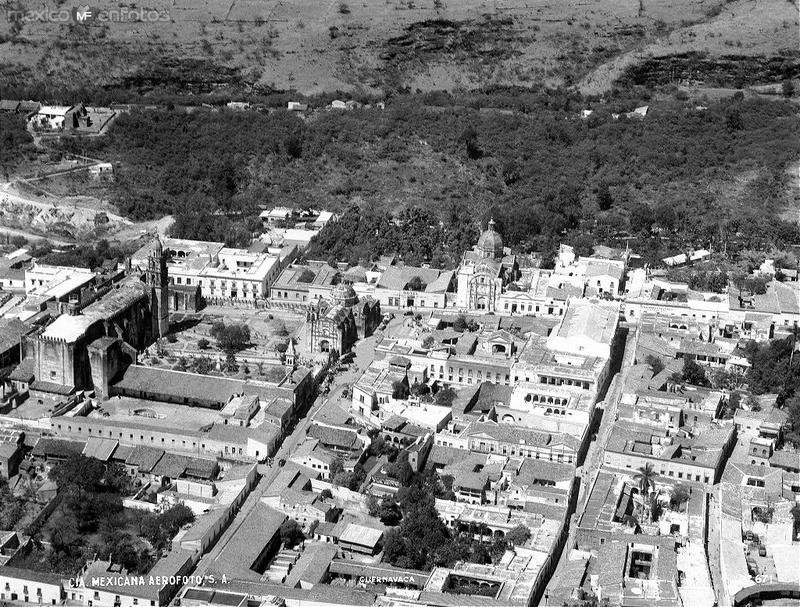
445 456
171 465
201 468
200 388
336 437
29 106
10 331
122 452
490 393
57 447
23 371
52 387
785 459
32 576
144 458
257 529
312 565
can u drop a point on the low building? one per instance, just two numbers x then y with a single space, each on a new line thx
311 455
360 539
108 585
300 284
52 117
414 287
26 586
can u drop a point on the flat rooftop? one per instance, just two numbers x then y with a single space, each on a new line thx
304 276
164 415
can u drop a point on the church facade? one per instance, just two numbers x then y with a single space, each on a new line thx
335 325
484 273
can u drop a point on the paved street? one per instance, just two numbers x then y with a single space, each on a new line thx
714 514
268 474
594 457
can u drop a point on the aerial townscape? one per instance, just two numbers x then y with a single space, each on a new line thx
400 303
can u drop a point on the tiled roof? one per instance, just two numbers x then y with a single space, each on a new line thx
361 535
312 565
509 433
171 465
257 529
24 371
57 447
335 437
785 459
397 277
52 388
144 458
194 387
41 577
100 448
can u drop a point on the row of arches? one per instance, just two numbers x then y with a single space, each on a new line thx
550 400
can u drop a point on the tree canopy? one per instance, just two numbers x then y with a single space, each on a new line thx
231 338
662 182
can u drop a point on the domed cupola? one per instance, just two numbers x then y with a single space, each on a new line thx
344 294
490 244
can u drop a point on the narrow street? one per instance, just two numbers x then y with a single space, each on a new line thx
713 552
363 354
268 475
594 456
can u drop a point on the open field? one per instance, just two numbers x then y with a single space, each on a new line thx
317 46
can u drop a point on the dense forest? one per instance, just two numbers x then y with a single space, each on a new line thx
419 180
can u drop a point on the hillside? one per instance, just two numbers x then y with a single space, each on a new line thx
236 47
420 180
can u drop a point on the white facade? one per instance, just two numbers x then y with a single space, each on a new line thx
221 272
41 278
51 117
29 587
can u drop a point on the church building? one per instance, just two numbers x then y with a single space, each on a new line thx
109 331
484 272
334 325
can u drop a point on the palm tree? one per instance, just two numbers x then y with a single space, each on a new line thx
646 478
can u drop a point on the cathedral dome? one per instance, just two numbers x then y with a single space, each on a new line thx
344 294
490 244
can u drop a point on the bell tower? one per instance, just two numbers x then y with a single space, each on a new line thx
156 277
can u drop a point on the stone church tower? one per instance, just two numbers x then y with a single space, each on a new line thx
157 279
